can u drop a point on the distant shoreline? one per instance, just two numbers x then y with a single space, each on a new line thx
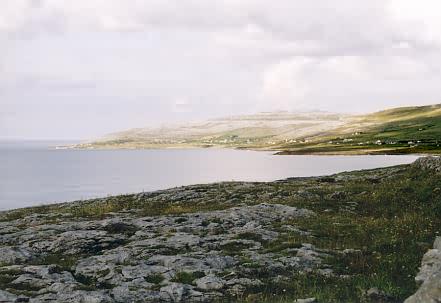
277 152
405 130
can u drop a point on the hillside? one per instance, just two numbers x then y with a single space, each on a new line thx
393 131
250 131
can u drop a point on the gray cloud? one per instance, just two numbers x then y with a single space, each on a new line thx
148 62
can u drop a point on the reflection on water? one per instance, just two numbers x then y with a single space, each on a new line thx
32 174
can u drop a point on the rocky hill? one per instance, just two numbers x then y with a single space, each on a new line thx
253 131
350 237
394 131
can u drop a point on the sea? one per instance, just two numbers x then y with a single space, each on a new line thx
36 172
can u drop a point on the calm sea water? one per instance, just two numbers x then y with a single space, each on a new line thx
31 173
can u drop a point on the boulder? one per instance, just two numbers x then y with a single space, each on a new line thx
82 296
6 297
10 255
175 292
126 293
126 258
210 283
429 276
429 292
376 295
428 163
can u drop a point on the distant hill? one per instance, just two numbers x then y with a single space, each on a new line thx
392 131
395 131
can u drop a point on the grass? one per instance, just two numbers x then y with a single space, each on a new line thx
103 207
121 228
64 262
301 285
154 278
389 218
7 275
394 128
233 248
409 130
187 277
394 224
250 236
287 241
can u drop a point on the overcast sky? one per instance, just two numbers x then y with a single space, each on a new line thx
83 68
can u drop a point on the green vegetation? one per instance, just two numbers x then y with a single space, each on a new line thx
291 240
250 236
155 278
398 131
404 130
187 277
8 275
385 219
121 228
102 207
324 289
393 224
234 247
63 262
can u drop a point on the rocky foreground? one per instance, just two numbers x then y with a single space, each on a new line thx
146 258
351 237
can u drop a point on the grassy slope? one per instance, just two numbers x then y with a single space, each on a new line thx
390 215
394 128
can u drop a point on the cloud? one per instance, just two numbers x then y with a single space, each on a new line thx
284 86
367 22
357 82
164 59
314 28
420 22
181 105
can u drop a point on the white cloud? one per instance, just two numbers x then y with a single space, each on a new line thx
358 82
418 20
284 86
220 57
181 105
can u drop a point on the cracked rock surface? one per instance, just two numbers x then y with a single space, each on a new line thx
351 237
200 256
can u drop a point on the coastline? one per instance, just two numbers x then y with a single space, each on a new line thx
365 232
274 150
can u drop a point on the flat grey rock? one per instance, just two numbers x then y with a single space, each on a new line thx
194 257
6 297
210 283
429 277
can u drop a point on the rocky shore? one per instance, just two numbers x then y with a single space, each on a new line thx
306 239
164 258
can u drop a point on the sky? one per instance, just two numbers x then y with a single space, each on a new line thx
80 69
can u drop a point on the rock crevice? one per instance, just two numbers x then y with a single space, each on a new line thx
193 257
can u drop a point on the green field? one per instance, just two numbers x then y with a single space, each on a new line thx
397 131
406 130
